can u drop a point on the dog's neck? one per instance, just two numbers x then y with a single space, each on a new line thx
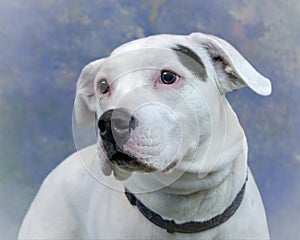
196 205
190 196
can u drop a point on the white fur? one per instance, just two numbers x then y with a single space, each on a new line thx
187 132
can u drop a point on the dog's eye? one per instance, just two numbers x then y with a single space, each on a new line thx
168 77
103 86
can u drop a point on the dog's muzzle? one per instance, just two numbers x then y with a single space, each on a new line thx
114 128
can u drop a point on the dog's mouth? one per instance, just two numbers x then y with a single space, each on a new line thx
117 157
130 163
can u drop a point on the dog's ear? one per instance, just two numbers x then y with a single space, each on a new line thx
233 70
85 100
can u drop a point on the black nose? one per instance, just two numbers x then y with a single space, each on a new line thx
115 126
104 125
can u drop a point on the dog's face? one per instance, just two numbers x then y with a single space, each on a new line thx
156 99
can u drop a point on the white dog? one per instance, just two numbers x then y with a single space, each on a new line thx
173 143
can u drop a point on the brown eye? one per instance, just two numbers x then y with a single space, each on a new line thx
103 86
168 77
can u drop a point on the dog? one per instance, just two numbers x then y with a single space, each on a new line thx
170 161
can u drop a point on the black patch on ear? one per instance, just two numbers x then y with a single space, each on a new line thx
191 60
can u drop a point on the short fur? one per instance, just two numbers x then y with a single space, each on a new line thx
187 132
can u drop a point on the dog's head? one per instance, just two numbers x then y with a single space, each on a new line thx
157 98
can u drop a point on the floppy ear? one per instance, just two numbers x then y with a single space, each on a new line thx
233 70
85 100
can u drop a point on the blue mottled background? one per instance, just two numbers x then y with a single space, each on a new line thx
44 45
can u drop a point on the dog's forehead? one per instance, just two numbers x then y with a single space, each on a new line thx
164 41
155 51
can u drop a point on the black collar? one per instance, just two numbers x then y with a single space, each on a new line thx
188 227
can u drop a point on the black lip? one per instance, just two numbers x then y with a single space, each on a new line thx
130 163
122 159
